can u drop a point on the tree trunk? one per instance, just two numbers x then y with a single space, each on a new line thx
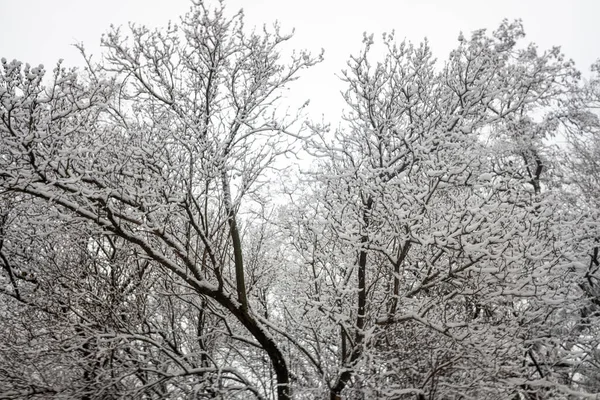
277 358
344 378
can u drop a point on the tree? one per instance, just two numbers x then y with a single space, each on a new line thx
430 243
578 179
440 247
157 148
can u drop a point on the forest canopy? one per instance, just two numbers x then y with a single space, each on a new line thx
157 241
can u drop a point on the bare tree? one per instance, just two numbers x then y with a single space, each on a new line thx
158 147
440 247
429 238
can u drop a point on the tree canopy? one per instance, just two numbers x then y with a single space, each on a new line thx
155 242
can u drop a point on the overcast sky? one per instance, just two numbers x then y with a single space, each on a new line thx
42 31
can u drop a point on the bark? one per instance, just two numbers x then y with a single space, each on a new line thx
236 243
344 378
264 338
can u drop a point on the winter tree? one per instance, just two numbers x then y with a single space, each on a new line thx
432 250
441 246
142 164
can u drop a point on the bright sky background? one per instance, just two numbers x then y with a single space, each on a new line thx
41 31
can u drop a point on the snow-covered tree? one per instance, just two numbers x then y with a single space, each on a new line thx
429 239
153 154
441 246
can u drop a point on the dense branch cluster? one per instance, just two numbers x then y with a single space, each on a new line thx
443 244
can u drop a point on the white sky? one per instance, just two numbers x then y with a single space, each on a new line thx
41 31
